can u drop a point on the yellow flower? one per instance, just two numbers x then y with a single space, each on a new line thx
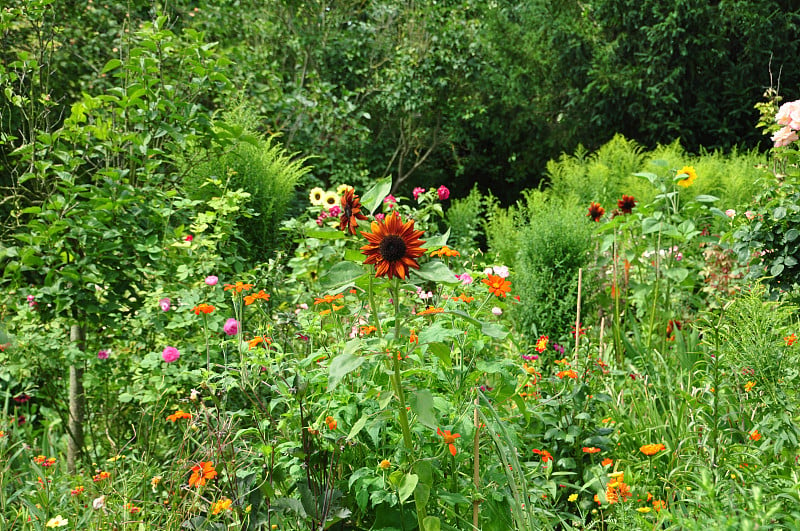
643 509
691 175
316 196
330 199
342 188
385 464
222 505
573 497
749 386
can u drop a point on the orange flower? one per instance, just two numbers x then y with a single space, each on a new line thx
413 338
201 473
497 285
617 491
328 298
607 461
591 450
652 449
430 310
331 422
445 251
465 298
569 373
203 308
596 211
101 476
250 299
449 439
659 504
790 340
749 386
259 340
384 464
366 330
239 287
179 415
393 246
546 456
754 435
335 307
223 504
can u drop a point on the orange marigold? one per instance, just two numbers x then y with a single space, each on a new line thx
430 310
755 436
203 308
569 373
497 285
221 505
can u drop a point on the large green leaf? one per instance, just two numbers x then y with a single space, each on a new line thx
407 486
341 366
341 274
374 196
436 271
422 405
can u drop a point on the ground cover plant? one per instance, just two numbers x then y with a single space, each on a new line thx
182 349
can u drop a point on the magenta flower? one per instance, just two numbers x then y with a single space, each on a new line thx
443 192
102 355
379 217
390 200
418 192
170 354
165 304
212 280
465 278
231 327
189 238
335 211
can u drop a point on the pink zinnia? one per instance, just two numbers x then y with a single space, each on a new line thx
102 355
465 278
212 280
231 327
443 192
165 304
170 354
418 192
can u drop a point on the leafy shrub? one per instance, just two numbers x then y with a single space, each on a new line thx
261 168
463 219
553 246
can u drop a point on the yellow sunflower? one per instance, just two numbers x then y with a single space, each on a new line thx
317 196
691 175
330 199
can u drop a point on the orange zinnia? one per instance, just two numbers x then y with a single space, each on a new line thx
259 340
591 450
239 287
755 436
449 439
351 211
179 415
328 298
569 373
203 308
546 456
652 449
201 473
497 285
607 461
430 310
393 247
250 299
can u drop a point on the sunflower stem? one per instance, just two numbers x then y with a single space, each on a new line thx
373 310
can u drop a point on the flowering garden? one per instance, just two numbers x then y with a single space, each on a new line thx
197 334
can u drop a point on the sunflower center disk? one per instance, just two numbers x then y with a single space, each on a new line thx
393 248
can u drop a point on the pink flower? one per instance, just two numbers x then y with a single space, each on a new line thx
303 306
730 213
212 280
335 211
231 327
784 137
501 271
465 278
443 192
170 354
31 301
749 214
165 304
189 238
789 114
390 200
497 311
379 217
418 192
102 355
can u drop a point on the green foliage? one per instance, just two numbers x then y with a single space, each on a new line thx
554 245
262 169
463 217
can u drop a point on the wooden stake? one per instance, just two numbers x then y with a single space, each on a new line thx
578 314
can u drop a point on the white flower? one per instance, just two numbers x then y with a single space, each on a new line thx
57 521
99 503
497 311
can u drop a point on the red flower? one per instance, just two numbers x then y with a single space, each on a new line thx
626 204
449 439
596 211
546 456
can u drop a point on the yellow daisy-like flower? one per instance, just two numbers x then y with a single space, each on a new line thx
317 196
643 509
342 188
330 200
691 175
572 497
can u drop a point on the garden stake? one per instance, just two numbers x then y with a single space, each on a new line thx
476 473
76 402
578 314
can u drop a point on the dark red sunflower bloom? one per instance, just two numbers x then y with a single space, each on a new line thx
351 211
596 211
626 204
393 246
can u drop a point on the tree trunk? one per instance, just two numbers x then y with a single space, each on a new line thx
76 404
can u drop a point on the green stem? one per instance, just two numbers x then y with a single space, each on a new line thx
372 308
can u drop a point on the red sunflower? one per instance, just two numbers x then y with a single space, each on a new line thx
596 211
626 204
393 246
351 211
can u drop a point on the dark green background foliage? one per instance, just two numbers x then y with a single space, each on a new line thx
431 92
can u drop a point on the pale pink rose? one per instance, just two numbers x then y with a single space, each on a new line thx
731 213
789 114
784 137
170 354
231 327
212 280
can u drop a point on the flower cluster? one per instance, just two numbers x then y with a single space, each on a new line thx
789 117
